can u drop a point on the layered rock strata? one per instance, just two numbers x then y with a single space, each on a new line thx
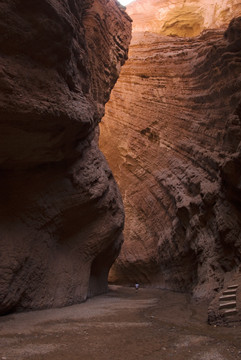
61 213
174 119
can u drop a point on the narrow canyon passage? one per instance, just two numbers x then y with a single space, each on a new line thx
171 135
124 324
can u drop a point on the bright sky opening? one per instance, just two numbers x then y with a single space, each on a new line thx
125 2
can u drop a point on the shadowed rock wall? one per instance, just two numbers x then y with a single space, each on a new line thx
174 119
61 214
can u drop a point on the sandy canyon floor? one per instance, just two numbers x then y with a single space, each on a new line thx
121 325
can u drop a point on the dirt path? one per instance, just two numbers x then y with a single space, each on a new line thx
122 325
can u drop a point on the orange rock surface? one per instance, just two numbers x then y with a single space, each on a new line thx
182 17
171 135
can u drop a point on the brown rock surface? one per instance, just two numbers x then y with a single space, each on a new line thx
61 214
174 120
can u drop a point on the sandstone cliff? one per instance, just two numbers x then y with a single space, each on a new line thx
182 17
174 120
61 214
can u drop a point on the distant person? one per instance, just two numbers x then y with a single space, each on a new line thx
137 286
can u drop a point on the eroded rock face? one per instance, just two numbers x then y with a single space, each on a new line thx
174 120
61 214
182 17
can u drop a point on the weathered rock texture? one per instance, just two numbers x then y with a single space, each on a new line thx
182 17
61 214
174 124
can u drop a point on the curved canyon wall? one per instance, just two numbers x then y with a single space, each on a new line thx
61 213
174 124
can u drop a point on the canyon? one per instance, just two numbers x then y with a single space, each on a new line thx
170 134
174 123
61 213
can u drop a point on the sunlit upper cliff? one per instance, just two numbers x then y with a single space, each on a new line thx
182 17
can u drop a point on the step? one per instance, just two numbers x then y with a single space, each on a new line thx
227 297
229 292
230 312
232 287
227 305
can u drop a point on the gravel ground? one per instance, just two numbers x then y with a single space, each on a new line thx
124 324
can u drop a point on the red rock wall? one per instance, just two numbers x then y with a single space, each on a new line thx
174 122
61 213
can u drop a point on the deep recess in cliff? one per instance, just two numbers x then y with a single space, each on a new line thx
61 213
174 121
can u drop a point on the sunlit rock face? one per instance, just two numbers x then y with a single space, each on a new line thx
182 17
171 135
61 213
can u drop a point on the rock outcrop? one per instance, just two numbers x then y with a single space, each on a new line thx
174 122
61 213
